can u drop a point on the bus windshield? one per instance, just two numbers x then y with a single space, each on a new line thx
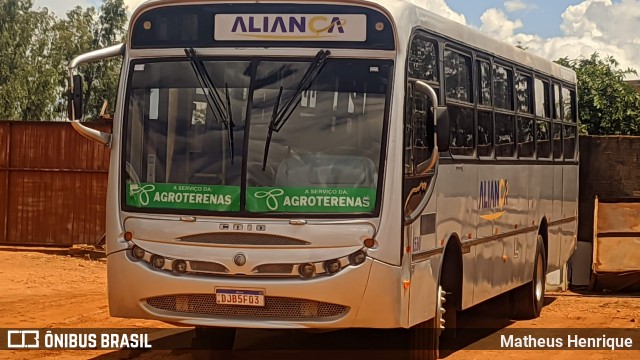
325 159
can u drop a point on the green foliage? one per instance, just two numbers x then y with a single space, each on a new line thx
35 48
607 105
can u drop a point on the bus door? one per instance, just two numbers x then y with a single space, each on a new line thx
420 167
419 173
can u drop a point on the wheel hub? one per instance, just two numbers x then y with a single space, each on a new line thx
441 310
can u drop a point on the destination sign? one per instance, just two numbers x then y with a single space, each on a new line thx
291 27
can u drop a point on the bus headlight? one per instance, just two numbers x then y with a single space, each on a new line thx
180 266
307 270
137 252
157 261
332 266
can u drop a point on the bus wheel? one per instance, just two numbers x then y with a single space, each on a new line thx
213 338
424 337
528 299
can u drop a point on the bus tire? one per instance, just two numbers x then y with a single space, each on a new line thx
424 338
424 341
528 299
214 338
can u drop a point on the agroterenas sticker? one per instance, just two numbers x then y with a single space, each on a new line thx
183 196
310 200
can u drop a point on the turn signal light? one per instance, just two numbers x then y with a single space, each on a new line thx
369 243
128 236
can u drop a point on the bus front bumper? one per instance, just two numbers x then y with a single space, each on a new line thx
343 300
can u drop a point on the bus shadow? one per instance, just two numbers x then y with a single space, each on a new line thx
474 324
481 321
585 292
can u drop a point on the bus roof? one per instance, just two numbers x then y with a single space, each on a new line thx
408 12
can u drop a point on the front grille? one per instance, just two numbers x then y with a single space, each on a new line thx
243 239
208 267
276 308
274 268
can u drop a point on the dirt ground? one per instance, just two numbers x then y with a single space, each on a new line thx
40 290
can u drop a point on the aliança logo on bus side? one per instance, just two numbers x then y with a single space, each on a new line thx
494 196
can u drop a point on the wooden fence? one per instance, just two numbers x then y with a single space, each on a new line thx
53 184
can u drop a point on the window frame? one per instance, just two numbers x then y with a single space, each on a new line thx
408 115
572 122
490 109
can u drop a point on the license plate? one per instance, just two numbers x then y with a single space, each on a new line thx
240 297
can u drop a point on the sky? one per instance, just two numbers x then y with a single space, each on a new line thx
550 28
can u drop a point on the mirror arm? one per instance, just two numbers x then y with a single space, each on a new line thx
428 90
101 54
92 134
87 132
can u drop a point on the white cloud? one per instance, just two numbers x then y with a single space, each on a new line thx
496 24
441 8
592 25
517 5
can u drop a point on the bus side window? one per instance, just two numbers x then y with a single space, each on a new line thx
569 129
543 112
457 70
408 133
422 60
504 117
525 130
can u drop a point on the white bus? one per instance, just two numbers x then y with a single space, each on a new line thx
331 164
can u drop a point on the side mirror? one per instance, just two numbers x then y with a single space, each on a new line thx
75 104
443 130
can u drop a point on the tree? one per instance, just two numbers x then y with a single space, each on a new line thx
27 71
607 105
87 30
35 48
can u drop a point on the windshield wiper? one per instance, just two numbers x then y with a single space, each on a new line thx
221 110
280 116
